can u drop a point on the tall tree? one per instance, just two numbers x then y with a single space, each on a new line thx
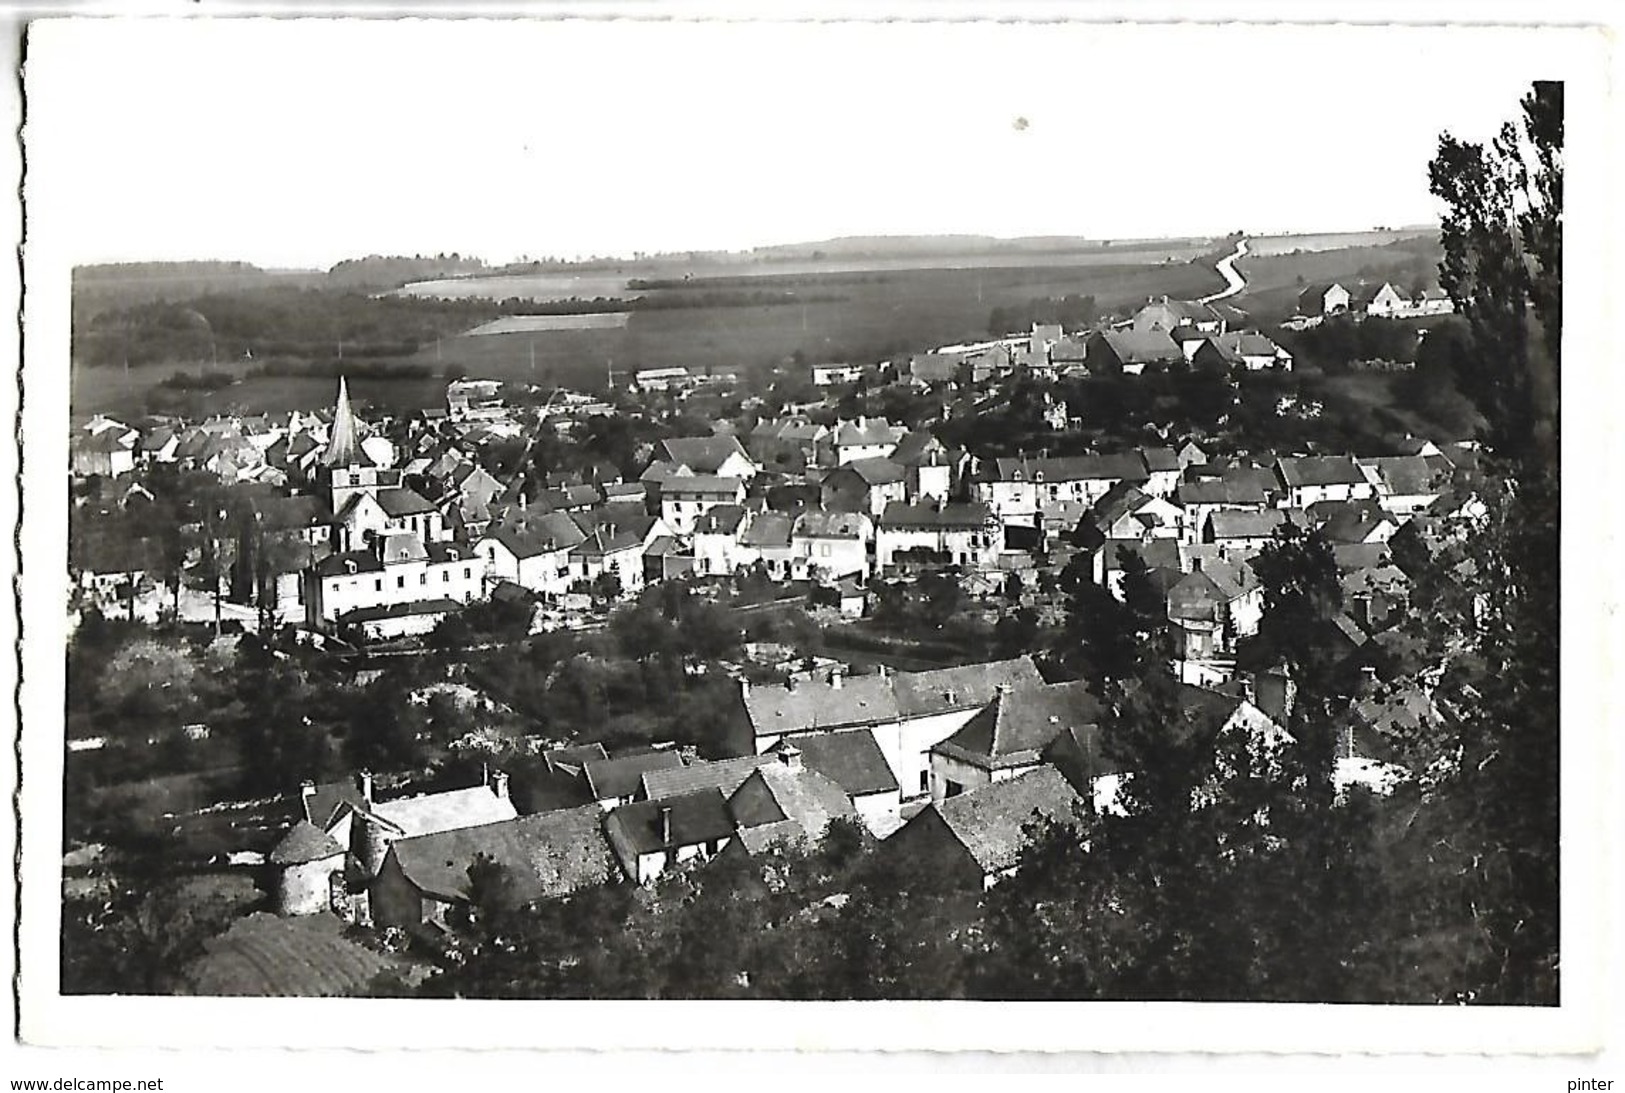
1503 237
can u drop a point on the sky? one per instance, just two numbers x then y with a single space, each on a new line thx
296 143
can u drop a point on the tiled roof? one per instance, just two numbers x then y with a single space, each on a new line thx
874 471
574 757
1252 525
1160 459
1141 347
829 525
701 485
990 822
722 520
548 854
530 534
696 819
434 812
614 778
867 431
437 606
1319 470
921 694
1124 466
701 454
768 529
778 803
1017 725
852 760
403 502
817 704
326 799
723 774
1404 474
304 842
900 514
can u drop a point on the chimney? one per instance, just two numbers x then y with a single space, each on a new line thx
499 784
885 671
790 682
836 677
307 788
522 501
665 825
790 756
744 688
363 785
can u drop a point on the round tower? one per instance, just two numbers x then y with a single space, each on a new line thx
305 861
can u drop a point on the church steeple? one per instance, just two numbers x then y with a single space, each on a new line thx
344 444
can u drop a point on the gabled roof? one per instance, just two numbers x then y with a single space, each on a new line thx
1124 466
867 431
818 704
701 454
573 758
921 694
1160 459
722 520
1141 347
695 819
777 802
707 485
305 842
403 502
623 777
723 774
768 529
829 525
1405 475
1319 470
548 854
1253 525
531 534
435 812
990 822
873 471
322 805
925 514
851 759
1017 725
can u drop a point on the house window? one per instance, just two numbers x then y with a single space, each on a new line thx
423 578
954 789
445 576
467 573
400 582
378 585
925 781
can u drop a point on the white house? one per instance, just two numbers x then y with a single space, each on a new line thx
908 713
532 550
1015 488
1311 479
685 498
829 375
831 545
933 534
399 570
865 438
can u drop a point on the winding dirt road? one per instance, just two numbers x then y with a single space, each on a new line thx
1227 269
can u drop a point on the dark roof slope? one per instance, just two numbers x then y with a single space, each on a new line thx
622 777
695 819
990 822
304 842
852 760
548 854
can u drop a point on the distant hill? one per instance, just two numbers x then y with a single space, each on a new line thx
870 246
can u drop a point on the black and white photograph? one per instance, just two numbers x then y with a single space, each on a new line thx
598 510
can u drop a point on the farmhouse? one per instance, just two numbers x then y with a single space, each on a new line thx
1308 479
1129 352
685 498
908 712
1323 299
547 856
532 550
932 534
973 840
399 570
1009 736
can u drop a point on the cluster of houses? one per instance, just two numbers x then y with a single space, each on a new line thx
945 766
1383 299
1164 333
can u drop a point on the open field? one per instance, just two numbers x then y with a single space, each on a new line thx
878 319
841 314
1268 246
560 286
526 286
535 324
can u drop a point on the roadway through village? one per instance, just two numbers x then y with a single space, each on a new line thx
1227 269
